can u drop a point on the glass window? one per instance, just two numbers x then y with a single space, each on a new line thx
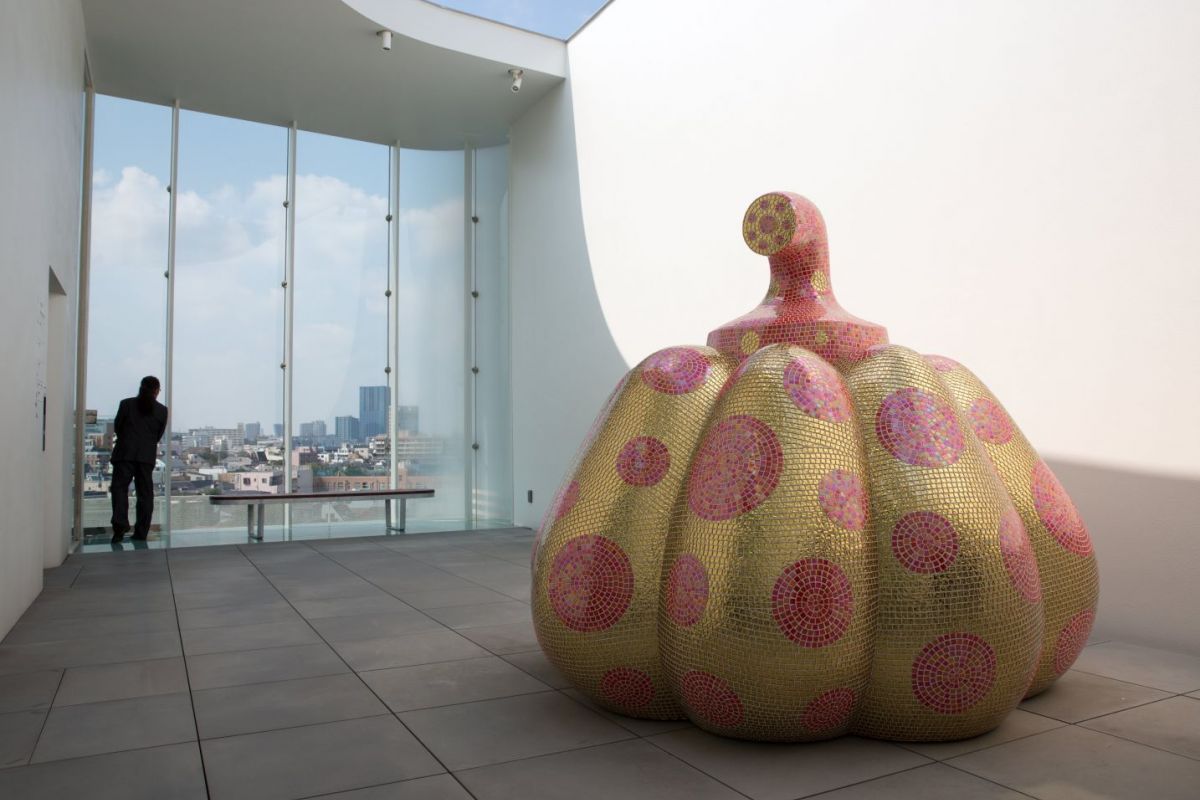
127 311
431 302
493 416
227 407
340 396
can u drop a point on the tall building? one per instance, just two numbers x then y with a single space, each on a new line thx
253 431
407 419
313 430
278 430
373 402
345 429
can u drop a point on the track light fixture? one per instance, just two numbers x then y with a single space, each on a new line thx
385 37
516 75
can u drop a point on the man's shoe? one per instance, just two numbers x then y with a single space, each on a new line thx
118 538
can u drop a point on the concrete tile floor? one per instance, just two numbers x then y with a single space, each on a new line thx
406 668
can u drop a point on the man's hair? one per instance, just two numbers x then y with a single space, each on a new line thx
146 392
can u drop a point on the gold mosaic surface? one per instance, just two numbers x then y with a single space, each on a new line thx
781 549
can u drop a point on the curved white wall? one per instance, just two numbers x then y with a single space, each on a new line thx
1012 183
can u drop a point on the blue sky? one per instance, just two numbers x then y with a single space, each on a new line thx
557 18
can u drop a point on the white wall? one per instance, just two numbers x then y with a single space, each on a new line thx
1012 183
1008 182
564 362
41 105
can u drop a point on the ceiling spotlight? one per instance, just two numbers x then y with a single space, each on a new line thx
385 39
516 75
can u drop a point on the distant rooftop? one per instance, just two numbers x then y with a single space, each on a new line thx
557 18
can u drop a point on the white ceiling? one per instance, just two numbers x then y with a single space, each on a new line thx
319 63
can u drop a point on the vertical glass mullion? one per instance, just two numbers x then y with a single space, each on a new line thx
393 306
470 396
289 294
169 344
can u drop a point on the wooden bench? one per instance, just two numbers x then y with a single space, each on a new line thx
258 500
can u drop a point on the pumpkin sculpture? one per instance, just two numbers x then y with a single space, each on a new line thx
802 531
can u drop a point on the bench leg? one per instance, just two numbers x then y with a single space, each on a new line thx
388 528
262 518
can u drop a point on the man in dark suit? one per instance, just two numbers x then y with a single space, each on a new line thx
140 424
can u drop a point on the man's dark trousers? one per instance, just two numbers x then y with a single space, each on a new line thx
142 476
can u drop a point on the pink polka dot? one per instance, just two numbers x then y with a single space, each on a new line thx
643 461
711 699
1058 513
843 499
676 370
942 364
829 712
735 469
953 672
627 688
566 500
687 590
817 390
990 422
591 583
919 428
1018 556
924 542
812 602
1072 639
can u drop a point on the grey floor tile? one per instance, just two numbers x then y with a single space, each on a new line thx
62 629
228 616
80 652
377 603
446 598
641 727
429 685
1077 696
29 691
102 682
18 735
248 637
505 639
336 630
930 782
161 773
1073 763
427 579
283 704
629 770
781 771
74 731
407 651
216 598
1172 724
537 665
314 760
483 615
1016 725
435 787
494 731
242 667
297 589
1160 669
